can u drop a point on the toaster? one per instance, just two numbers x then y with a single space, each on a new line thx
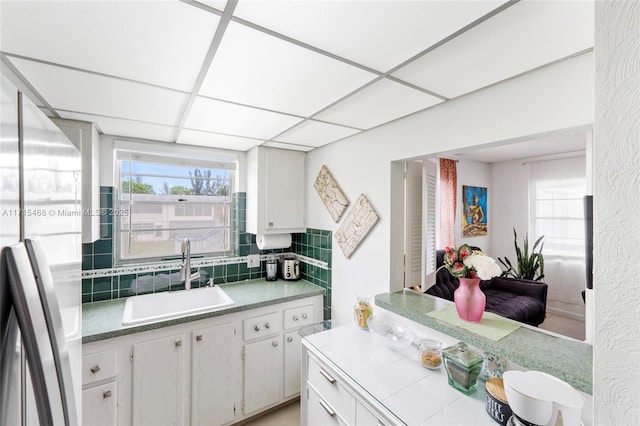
289 267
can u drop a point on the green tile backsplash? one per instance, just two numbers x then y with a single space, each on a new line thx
315 244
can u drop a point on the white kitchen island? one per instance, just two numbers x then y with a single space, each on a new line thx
350 378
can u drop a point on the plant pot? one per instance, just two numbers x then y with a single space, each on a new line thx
470 300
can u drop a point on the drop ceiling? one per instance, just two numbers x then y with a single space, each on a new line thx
290 74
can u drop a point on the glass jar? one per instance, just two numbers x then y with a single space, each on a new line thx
463 367
430 353
362 311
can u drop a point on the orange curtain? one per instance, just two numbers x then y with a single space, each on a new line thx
448 196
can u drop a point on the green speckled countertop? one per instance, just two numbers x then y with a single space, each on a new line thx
564 358
102 320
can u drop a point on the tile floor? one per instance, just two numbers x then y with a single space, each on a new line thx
564 325
289 415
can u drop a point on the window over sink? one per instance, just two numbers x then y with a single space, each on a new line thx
162 199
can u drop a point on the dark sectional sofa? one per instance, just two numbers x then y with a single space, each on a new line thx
516 299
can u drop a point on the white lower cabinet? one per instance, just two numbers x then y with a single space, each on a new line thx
198 373
212 375
332 400
100 389
99 405
292 348
159 381
262 374
320 412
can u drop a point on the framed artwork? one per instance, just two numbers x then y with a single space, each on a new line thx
330 193
474 211
359 221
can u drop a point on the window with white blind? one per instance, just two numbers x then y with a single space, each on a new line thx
163 199
558 214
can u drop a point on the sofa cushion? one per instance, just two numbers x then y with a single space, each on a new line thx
514 306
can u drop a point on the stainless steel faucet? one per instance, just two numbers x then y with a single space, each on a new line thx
185 268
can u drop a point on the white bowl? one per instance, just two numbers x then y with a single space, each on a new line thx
537 397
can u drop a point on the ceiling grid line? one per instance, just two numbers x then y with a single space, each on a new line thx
215 43
248 73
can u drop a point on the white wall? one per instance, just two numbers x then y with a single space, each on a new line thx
616 156
556 97
474 173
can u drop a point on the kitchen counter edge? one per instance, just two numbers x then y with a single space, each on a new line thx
568 359
103 320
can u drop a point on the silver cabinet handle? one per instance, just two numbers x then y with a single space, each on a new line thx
274 344
267 325
199 338
304 316
327 408
178 343
257 328
289 339
379 423
94 369
327 376
295 318
106 394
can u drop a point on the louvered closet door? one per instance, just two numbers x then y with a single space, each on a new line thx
413 224
430 220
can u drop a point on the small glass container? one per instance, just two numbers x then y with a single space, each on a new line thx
430 353
362 311
463 367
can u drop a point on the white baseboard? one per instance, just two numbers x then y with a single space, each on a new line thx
567 314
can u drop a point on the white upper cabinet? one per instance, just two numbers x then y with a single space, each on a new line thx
85 137
275 191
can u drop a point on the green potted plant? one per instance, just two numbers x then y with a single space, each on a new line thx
530 265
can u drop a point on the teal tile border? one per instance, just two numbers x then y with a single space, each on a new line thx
101 281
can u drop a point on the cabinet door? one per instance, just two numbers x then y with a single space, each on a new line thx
159 381
292 349
284 198
262 374
99 405
212 379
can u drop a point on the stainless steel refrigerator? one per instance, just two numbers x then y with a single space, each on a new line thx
39 201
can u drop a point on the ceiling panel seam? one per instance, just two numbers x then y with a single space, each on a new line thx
203 6
213 48
97 73
458 33
7 62
114 117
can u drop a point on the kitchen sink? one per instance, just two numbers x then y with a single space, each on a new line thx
149 308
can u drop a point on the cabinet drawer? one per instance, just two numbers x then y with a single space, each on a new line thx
99 405
297 317
264 325
331 391
320 412
99 366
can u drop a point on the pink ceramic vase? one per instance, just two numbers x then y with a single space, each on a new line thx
470 300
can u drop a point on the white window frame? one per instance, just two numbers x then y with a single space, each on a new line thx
121 205
549 240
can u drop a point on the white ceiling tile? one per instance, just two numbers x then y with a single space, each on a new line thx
526 35
315 133
215 140
254 68
216 4
379 103
223 117
158 42
94 94
126 128
379 34
288 146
